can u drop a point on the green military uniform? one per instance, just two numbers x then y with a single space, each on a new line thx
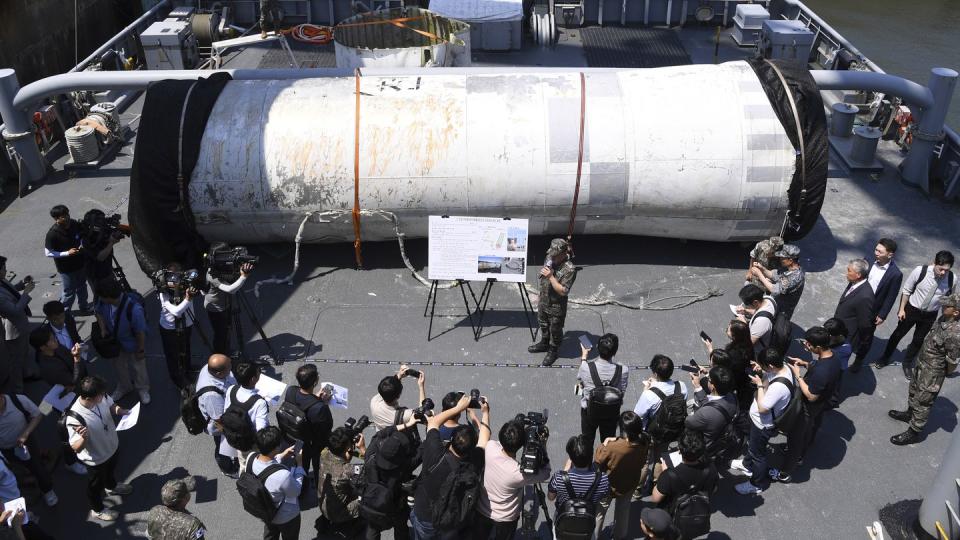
269 9
940 347
552 310
939 355
170 524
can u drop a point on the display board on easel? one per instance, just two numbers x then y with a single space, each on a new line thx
477 248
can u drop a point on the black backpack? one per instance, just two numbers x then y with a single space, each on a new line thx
380 500
190 413
63 431
779 337
923 274
794 411
452 509
577 516
691 509
727 445
253 491
667 423
292 420
605 398
237 426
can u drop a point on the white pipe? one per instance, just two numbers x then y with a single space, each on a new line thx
119 36
910 91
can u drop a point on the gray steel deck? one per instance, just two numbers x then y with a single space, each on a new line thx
350 321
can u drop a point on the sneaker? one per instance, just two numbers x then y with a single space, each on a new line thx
117 395
779 476
746 488
144 397
50 498
104 515
120 489
77 468
737 465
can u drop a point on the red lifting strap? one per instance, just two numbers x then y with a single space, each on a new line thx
356 174
576 190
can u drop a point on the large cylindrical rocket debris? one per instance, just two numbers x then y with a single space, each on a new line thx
695 152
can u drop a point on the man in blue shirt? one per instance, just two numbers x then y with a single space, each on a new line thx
131 332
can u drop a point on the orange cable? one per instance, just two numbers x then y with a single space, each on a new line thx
356 174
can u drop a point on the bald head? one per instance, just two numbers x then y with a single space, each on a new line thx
219 365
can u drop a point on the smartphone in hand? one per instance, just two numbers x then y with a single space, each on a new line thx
705 337
412 373
585 341
690 369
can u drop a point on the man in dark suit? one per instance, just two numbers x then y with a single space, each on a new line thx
885 279
856 306
15 310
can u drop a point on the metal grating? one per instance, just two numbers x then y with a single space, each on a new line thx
635 47
307 56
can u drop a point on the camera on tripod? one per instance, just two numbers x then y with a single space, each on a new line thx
355 426
534 454
97 228
224 260
183 279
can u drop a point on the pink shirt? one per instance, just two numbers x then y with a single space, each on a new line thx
503 484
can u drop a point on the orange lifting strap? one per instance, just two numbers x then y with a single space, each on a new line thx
356 174
576 190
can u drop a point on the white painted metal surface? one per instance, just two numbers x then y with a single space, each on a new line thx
685 152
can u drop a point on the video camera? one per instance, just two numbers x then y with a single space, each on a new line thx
224 260
97 228
534 455
356 426
186 278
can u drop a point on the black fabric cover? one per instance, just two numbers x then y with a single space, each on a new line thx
162 231
806 195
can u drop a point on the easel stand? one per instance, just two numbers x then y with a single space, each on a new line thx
242 305
485 297
432 304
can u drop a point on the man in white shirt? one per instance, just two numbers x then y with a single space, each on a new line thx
93 436
212 384
284 483
759 311
247 375
919 307
771 400
885 278
176 324
385 404
649 403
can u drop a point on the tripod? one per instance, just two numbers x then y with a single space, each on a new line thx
532 496
119 275
242 305
184 360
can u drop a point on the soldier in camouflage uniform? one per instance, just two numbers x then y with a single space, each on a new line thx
171 520
271 9
556 278
764 253
938 358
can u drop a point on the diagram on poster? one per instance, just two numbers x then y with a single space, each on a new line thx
477 248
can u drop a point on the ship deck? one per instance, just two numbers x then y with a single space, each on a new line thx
359 325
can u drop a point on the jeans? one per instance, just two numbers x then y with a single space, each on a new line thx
923 320
621 515
177 365
589 427
226 464
311 455
34 465
287 531
100 477
502 530
423 530
401 531
756 458
74 286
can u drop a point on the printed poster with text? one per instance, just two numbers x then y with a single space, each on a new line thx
478 248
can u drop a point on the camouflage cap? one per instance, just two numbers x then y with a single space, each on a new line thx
558 246
952 300
173 491
788 251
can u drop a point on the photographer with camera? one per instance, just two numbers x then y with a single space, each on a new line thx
338 494
501 501
100 234
15 311
390 460
176 321
224 278
603 382
450 479
384 405
62 244
305 416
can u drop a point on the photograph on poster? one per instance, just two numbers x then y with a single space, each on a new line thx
489 265
513 265
516 239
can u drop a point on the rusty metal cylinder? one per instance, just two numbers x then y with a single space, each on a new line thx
659 159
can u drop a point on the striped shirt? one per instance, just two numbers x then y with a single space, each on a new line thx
581 480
